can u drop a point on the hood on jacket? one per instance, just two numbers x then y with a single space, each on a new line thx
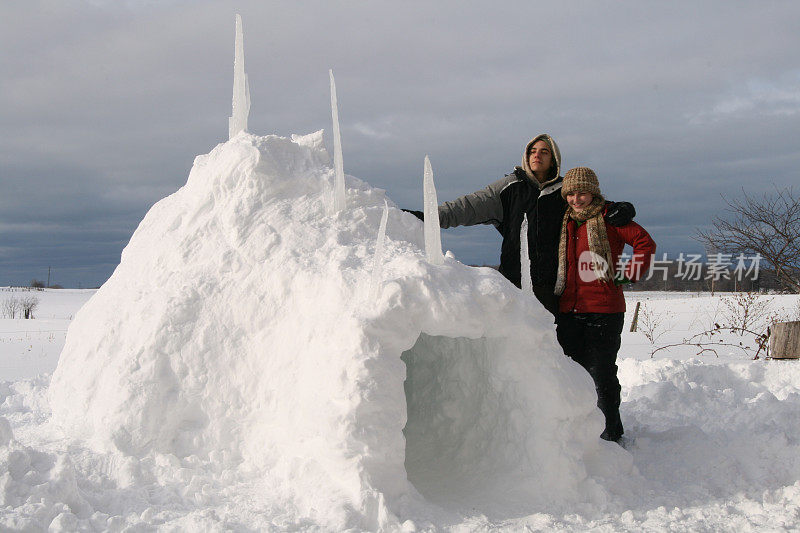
555 170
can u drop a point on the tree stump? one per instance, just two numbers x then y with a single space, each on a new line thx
784 340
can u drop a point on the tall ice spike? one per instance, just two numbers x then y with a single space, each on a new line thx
241 87
433 233
377 261
524 257
338 184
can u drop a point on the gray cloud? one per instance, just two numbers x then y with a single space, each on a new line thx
104 105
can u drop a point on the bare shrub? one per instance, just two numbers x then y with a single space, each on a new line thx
10 307
747 312
794 314
29 305
653 324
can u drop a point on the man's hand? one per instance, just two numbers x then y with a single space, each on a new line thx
619 213
420 215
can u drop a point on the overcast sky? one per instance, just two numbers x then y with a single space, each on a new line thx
105 104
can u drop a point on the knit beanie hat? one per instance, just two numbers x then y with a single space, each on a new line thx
580 179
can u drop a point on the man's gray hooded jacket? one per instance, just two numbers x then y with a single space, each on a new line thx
503 204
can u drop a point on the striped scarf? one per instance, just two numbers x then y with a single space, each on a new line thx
603 264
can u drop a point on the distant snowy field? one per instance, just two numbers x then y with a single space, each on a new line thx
31 347
715 435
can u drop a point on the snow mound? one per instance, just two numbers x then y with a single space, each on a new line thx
238 329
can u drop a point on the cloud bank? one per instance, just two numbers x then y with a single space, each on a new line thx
105 104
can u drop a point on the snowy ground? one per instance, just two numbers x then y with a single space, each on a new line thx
31 347
715 437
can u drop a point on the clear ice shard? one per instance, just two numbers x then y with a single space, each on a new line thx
377 260
338 184
241 87
524 258
433 234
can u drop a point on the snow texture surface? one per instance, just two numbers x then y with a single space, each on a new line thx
237 339
714 438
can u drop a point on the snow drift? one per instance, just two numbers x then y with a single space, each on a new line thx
238 329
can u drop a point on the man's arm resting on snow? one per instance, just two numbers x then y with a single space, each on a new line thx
419 214
480 207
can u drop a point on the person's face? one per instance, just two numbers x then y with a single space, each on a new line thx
540 158
578 201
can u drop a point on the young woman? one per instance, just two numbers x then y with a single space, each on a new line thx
591 303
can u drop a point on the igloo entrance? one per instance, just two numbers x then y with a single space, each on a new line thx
465 434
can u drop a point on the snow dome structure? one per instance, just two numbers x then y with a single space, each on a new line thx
252 327
238 328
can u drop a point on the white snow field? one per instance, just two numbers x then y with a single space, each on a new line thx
31 347
236 373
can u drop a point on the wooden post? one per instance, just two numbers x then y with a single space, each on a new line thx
635 316
784 340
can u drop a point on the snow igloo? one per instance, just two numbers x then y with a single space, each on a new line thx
241 327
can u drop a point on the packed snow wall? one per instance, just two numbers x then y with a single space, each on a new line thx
239 329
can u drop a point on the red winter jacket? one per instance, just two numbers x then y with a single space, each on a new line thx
583 292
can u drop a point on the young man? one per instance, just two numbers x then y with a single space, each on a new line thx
533 189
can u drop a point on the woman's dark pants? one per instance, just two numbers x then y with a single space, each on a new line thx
593 340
